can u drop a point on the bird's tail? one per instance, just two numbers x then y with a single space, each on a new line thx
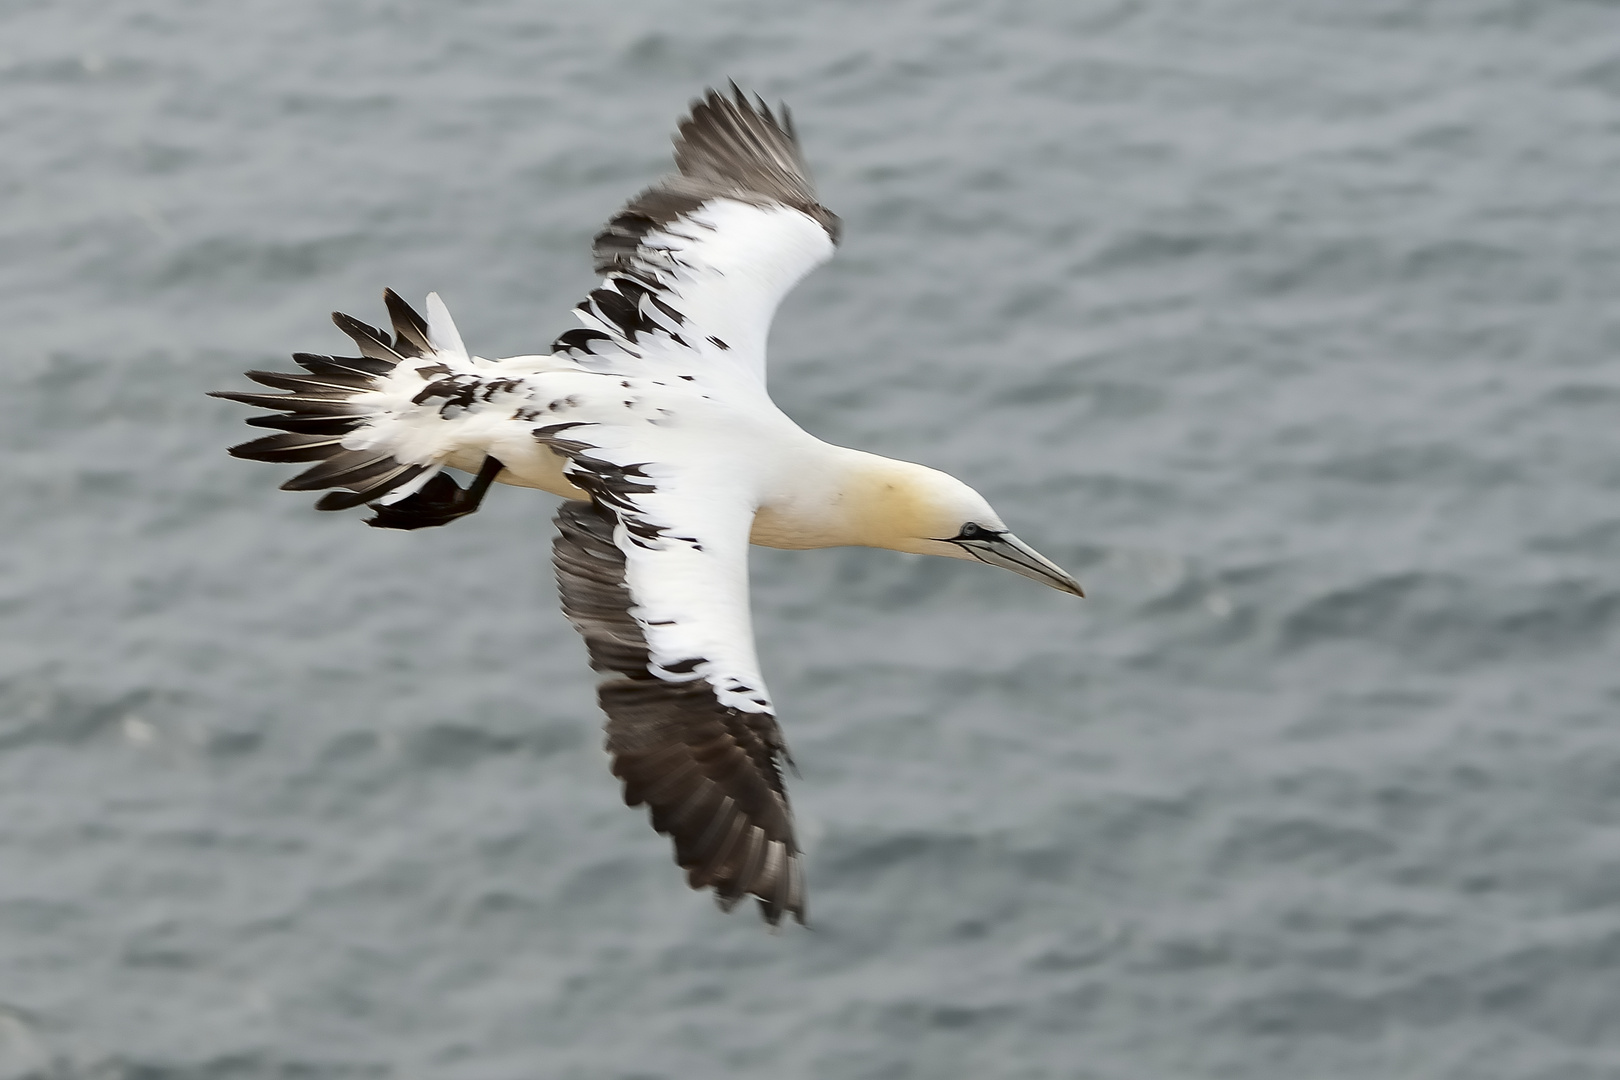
336 398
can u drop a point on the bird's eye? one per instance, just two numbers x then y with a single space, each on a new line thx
970 531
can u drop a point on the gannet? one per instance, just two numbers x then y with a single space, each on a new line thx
652 420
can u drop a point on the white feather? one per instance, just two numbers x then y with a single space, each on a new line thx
442 333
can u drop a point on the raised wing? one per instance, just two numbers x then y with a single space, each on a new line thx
655 578
697 264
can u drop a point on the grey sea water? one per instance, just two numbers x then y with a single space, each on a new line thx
1291 327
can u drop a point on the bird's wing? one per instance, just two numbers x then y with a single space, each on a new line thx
696 265
653 573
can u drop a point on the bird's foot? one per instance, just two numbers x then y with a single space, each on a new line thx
440 501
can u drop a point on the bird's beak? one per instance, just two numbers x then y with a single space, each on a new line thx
1007 551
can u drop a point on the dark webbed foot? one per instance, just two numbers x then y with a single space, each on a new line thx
440 501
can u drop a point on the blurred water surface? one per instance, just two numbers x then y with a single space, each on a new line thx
1290 327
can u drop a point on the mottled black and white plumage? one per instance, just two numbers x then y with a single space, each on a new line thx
653 420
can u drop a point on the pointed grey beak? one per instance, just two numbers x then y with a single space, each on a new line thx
1009 552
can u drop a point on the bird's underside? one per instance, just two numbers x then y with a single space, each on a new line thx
651 545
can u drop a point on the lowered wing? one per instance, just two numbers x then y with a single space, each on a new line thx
654 576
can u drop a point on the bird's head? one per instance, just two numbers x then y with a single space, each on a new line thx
907 507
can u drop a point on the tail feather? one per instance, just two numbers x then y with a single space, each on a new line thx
289 447
442 329
379 486
338 365
371 341
336 398
410 329
308 404
341 384
342 469
308 425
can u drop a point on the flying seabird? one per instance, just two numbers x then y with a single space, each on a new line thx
652 420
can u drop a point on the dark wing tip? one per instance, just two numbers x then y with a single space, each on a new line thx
724 146
735 143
